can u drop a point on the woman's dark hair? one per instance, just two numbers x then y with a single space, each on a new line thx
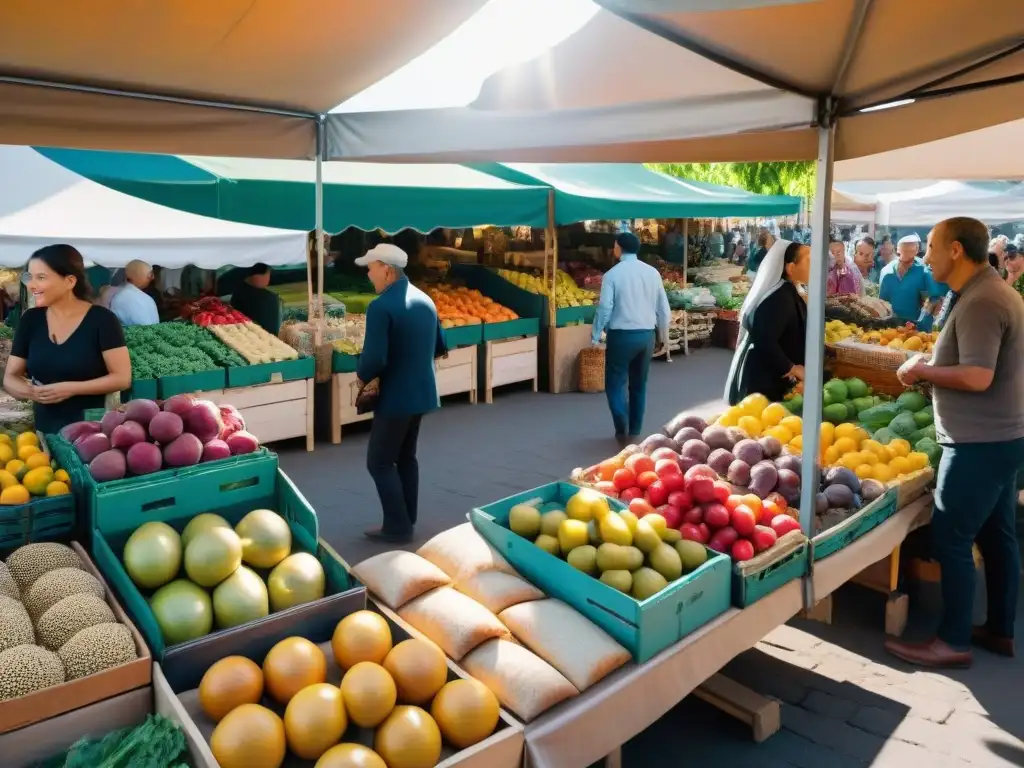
66 261
790 256
259 268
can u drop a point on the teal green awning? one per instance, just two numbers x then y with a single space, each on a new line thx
280 193
588 191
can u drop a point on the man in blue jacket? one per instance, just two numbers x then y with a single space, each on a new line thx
403 338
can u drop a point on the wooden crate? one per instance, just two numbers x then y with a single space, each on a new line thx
344 388
275 411
456 373
509 361
564 345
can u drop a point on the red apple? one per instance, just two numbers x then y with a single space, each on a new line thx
640 507
743 520
705 532
624 478
692 532
644 479
701 470
607 487
702 490
742 550
673 515
639 463
783 524
674 481
680 499
631 493
763 538
693 515
667 466
660 454
657 493
716 515
722 491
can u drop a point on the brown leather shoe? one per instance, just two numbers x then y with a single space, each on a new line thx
983 637
933 653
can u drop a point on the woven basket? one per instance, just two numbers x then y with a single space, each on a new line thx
870 355
592 369
881 380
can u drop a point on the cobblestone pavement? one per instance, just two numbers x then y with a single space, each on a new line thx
844 702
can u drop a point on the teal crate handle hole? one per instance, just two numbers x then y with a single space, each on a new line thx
239 484
153 506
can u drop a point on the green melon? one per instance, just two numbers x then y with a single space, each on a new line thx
183 611
242 597
152 555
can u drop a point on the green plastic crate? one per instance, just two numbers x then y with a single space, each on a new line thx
46 518
511 329
747 590
644 627
232 492
142 389
573 315
265 373
464 336
343 363
867 519
203 381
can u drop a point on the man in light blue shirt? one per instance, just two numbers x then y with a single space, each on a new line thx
904 281
632 308
131 303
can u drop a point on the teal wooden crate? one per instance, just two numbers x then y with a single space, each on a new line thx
573 315
204 381
231 492
511 329
47 518
343 363
463 336
265 373
747 590
867 519
142 389
644 627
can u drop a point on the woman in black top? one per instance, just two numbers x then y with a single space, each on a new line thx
67 353
773 324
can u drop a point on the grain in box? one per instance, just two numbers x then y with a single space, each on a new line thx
643 627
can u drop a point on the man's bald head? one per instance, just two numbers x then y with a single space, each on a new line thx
970 234
139 274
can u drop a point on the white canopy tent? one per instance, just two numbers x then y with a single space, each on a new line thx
42 203
924 203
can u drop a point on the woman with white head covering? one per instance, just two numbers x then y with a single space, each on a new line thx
773 324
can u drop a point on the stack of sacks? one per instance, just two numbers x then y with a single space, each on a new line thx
463 595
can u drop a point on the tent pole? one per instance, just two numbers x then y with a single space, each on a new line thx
814 350
319 229
552 228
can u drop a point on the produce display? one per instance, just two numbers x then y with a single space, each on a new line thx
156 741
209 574
635 551
28 471
905 337
867 311
319 702
567 293
458 306
174 349
142 437
354 328
584 275
55 625
254 343
210 310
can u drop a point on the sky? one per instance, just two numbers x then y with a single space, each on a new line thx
450 74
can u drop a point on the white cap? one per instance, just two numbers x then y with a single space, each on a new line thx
913 237
385 253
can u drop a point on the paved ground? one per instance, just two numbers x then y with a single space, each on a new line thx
844 702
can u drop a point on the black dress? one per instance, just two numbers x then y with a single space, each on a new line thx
79 358
774 343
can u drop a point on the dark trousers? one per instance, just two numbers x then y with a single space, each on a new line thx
391 459
626 363
976 501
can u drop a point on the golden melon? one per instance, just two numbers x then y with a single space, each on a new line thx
37 479
466 711
291 665
250 736
350 756
315 720
409 738
419 670
229 683
361 636
369 694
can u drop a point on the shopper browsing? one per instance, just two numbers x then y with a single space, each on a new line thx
633 308
253 299
977 375
130 303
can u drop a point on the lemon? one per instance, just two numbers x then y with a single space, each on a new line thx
887 454
25 452
751 425
900 446
860 435
797 442
828 434
16 468
6 453
831 456
845 445
874 446
754 405
5 439
881 472
918 460
850 460
15 494
7 479
900 466
780 433
730 418
37 459
773 414
62 476
864 471
57 488
793 423
845 430
26 438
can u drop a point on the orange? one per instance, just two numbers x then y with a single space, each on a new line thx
419 670
369 693
249 736
315 720
291 665
466 711
361 636
409 738
229 683
350 756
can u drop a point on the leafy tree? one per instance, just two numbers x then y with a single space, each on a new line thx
784 178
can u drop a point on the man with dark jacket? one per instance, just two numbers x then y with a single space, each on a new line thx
403 338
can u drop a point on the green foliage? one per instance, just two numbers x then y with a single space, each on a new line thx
783 178
155 743
176 348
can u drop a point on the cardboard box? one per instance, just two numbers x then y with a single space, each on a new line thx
50 702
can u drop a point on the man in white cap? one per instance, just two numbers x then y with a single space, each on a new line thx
131 303
904 282
403 338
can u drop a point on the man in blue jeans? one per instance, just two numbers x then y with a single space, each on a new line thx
633 307
977 376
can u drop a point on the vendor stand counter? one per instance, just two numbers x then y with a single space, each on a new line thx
274 411
594 725
456 373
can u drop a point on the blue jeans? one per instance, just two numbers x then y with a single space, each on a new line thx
976 501
626 362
